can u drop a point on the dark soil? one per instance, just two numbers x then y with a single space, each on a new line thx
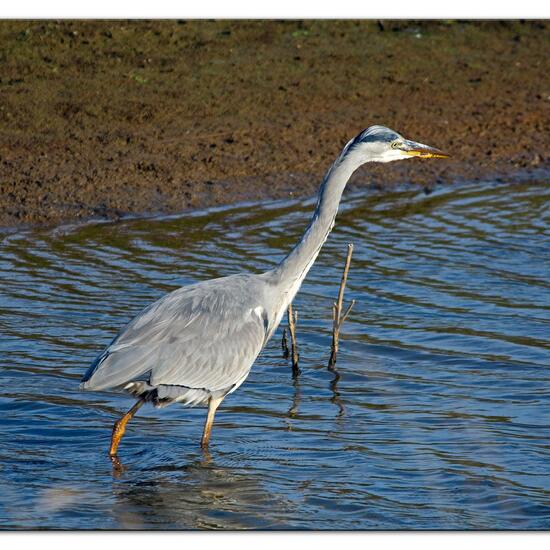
104 118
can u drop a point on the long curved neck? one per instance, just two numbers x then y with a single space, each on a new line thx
292 270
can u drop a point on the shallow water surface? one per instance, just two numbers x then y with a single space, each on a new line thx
440 417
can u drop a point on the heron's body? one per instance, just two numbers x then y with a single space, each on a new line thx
198 343
164 354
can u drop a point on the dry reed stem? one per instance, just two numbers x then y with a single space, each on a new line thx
284 345
292 316
337 317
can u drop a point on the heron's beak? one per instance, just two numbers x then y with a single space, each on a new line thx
413 149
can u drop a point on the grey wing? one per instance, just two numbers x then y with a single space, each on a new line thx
204 337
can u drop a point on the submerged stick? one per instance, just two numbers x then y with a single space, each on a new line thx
337 317
292 317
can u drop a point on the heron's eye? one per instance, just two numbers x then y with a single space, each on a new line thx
395 145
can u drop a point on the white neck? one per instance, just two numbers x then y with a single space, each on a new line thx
290 273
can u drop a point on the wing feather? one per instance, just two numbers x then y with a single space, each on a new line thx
203 336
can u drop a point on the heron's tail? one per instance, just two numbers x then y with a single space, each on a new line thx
114 369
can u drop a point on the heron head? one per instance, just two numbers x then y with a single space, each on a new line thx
380 144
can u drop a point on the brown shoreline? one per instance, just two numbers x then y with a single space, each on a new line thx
107 118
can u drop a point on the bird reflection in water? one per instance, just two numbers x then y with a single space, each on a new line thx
119 468
199 495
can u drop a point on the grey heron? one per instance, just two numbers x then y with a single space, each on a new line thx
197 344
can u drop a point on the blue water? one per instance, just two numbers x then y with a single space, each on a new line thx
440 418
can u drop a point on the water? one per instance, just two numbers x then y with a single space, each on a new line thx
440 419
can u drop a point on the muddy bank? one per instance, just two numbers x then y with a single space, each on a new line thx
104 118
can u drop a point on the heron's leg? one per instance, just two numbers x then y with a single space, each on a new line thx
120 427
213 404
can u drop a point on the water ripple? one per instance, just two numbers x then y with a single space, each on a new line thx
439 419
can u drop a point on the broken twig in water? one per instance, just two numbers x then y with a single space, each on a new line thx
292 317
284 345
337 317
